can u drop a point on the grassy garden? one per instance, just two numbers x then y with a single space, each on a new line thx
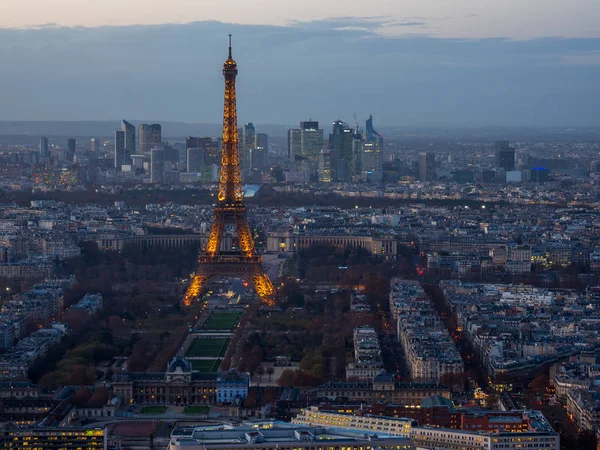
206 365
223 321
208 347
156 409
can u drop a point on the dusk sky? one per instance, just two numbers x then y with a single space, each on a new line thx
448 18
415 62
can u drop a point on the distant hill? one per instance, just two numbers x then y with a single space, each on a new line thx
171 130
28 132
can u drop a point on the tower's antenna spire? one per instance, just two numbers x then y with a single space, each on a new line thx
230 47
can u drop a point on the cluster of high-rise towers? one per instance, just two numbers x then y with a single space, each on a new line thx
203 154
347 155
148 152
66 154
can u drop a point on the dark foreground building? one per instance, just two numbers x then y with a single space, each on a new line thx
53 438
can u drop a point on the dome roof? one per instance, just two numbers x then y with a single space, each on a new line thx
179 362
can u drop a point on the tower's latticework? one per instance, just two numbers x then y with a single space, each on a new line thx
230 211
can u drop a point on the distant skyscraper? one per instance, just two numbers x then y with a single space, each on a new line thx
372 135
325 163
358 147
371 157
141 162
373 149
71 148
427 166
205 153
148 137
505 155
157 165
294 145
195 158
341 141
144 139
119 149
211 161
44 152
248 146
94 145
257 158
258 154
156 133
129 130
171 155
212 153
262 140
311 144
197 142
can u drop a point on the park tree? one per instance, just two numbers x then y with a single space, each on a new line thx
586 440
99 398
311 359
226 364
251 400
286 378
306 379
253 363
456 381
260 372
539 383
377 291
292 292
243 365
269 396
81 397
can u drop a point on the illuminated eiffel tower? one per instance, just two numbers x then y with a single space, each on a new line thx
230 212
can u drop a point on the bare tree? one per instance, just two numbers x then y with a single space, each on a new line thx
260 371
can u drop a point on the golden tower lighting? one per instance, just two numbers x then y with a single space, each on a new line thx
230 210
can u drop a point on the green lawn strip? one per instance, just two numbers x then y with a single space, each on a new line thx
206 365
222 321
208 347
154 409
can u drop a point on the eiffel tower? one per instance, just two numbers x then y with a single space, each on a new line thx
230 212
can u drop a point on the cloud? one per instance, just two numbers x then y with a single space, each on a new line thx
321 69
370 25
43 25
406 24
336 23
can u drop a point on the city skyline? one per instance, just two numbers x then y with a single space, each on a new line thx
406 80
